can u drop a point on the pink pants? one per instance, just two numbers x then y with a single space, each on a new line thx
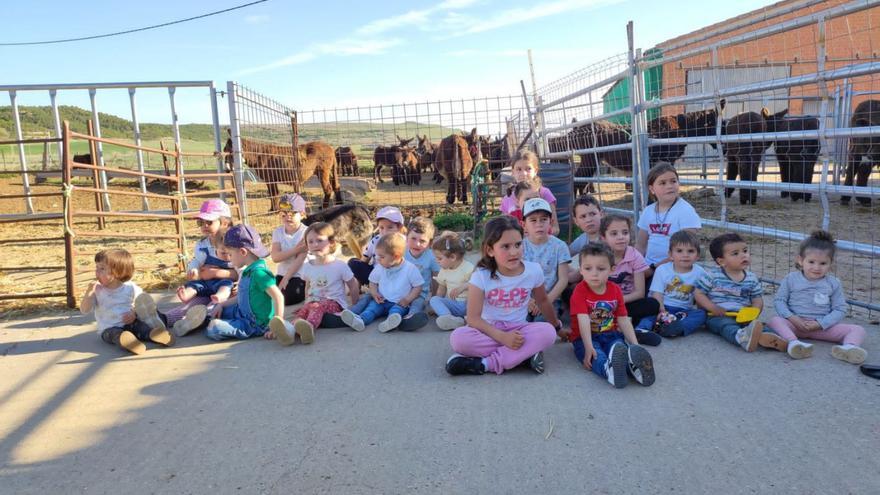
469 341
840 333
313 311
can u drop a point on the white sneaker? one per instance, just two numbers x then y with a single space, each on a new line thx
283 330
799 350
449 322
849 353
147 313
748 336
352 320
194 317
390 323
616 366
305 330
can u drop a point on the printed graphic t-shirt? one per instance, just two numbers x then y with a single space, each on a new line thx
507 298
603 309
624 271
677 288
327 281
661 226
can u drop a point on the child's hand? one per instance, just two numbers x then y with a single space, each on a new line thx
217 311
128 318
812 326
193 274
589 356
717 311
454 293
283 283
513 340
404 302
378 298
91 288
798 322
563 333
269 335
534 310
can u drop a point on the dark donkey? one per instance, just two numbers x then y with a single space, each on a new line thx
346 159
867 114
797 158
744 158
688 124
454 159
400 158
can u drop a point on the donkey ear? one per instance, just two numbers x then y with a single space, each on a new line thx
229 131
474 131
765 112
722 103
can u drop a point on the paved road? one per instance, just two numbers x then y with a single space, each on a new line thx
376 413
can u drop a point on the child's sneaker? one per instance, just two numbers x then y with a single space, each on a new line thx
305 330
193 319
352 320
799 350
130 343
282 330
772 341
536 363
147 313
615 367
849 353
390 323
647 337
449 322
463 365
748 336
641 366
162 336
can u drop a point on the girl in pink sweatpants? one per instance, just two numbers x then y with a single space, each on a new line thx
810 305
498 337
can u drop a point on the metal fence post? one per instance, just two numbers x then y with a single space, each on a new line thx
57 121
218 146
175 127
98 157
238 168
145 204
635 124
25 182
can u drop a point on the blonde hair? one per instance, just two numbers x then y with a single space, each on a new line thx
421 225
393 244
119 261
325 229
528 156
450 244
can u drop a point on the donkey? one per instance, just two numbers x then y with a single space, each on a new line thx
866 114
454 159
400 158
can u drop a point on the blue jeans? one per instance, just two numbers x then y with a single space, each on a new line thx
233 324
375 310
361 304
602 342
724 326
695 319
557 307
417 306
207 288
445 306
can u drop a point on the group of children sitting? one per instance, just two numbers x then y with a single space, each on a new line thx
506 310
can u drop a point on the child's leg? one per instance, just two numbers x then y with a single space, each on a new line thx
361 270
317 310
186 292
177 313
471 342
783 328
694 319
640 308
724 326
231 325
124 339
361 304
417 306
445 306
603 344
842 333
222 294
375 310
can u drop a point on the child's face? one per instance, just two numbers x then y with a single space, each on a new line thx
736 256
617 236
523 171
223 252
102 273
507 251
595 270
525 196
386 259
239 257
208 227
318 244
447 262
683 256
387 226
537 226
291 219
816 263
665 188
417 243
587 218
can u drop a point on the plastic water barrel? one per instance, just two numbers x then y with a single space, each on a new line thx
558 178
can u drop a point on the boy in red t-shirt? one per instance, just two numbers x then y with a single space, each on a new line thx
608 345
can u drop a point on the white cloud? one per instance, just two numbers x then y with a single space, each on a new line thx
460 25
340 48
256 19
413 18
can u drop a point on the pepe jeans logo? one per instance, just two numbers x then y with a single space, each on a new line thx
513 298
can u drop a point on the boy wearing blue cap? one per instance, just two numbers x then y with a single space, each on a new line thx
258 301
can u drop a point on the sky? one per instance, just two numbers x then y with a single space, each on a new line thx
328 54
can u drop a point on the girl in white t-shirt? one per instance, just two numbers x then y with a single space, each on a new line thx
498 337
288 250
326 280
525 169
112 296
668 214
450 301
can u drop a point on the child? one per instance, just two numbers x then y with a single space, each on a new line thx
629 267
601 332
450 301
112 296
394 284
419 234
810 304
666 216
730 287
673 288
208 275
287 248
389 220
326 278
587 216
522 191
525 169
550 253
258 300
497 337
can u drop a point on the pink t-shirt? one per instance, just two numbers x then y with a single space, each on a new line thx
508 204
633 262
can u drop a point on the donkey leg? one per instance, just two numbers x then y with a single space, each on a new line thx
462 190
450 189
784 171
272 188
862 174
732 172
855 157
